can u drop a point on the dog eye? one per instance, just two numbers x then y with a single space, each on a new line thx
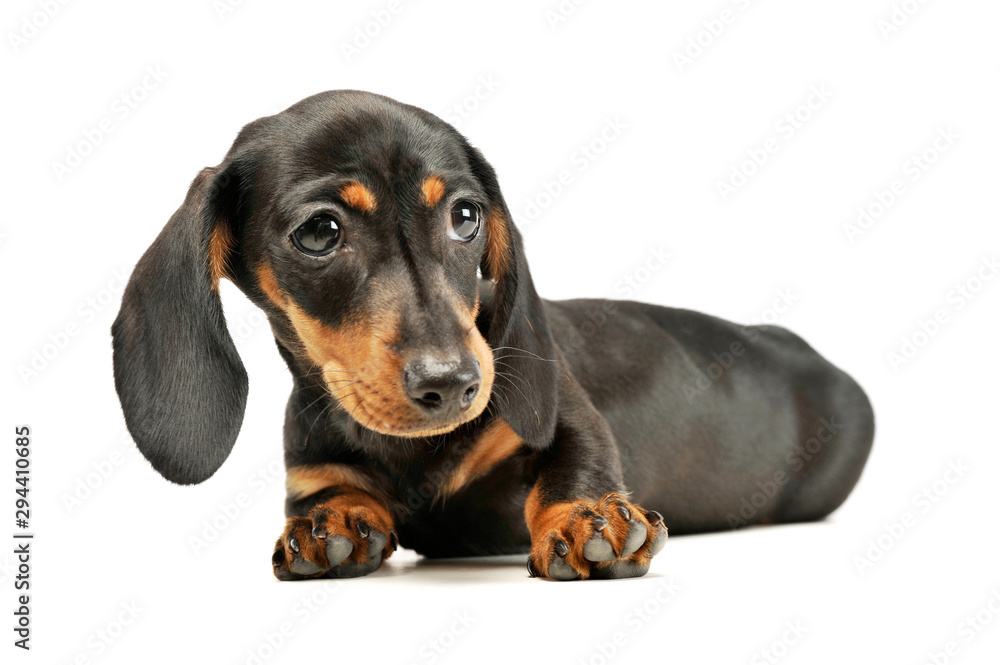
317 237
464 223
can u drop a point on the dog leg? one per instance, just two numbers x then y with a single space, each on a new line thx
582 524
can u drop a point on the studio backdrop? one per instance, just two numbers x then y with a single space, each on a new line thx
353 407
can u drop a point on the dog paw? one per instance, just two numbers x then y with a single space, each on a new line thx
333 542
608 539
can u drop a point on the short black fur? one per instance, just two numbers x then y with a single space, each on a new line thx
607 396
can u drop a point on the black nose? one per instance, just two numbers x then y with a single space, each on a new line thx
442 386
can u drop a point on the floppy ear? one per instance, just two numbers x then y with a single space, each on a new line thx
518 328
180 380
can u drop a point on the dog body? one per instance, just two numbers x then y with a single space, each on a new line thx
458 413
781 430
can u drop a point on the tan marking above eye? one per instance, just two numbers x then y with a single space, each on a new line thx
358 197
433 189
497 442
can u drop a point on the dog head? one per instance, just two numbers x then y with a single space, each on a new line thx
367 230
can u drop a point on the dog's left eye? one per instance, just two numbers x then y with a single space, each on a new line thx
464 222
317 237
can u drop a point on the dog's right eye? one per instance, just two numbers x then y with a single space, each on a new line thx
317 237
464 223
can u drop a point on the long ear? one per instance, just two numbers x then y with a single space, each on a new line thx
518 327
180 380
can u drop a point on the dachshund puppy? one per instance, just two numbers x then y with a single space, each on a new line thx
437 401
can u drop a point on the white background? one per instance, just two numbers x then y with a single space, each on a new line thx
718 598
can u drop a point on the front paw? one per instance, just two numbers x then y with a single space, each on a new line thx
333 542
611 538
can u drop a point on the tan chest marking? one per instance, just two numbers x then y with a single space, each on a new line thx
495 444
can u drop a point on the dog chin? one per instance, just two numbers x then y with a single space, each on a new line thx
420 430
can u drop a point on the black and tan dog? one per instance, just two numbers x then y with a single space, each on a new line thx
438 402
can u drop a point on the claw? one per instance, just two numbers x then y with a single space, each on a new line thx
531 567
376 542
363 529
319 532
658 542
654 517
626 515
600 522
294 544
562 548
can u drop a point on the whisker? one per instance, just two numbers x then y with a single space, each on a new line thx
501 394
531 354
514 386
346 396
309 406
329 406
515 373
